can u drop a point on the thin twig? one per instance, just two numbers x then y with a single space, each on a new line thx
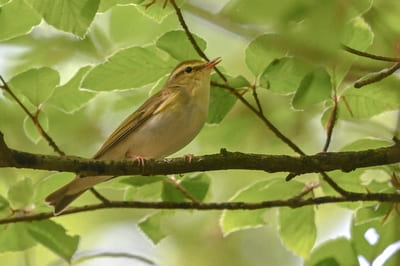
331 123
42 132
35 120
294 202
375 77
262 117
184 191
255 96
368 55
191 38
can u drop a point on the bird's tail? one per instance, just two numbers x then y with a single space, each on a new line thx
62 197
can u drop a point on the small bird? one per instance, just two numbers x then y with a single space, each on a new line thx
164 124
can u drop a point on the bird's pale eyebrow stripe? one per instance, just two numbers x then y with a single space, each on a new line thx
181 69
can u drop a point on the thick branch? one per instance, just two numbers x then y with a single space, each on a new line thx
345 161
295 202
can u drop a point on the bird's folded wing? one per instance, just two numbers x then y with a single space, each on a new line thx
151 107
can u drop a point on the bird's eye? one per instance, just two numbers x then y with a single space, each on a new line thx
188 69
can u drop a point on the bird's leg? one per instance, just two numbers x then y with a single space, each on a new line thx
188 157
140 159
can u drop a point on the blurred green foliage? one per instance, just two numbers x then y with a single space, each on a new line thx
84 65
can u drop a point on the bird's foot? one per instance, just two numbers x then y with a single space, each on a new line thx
188 157
140 159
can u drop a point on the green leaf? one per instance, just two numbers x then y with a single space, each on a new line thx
261 191
129 68
358 34
283 75
151 191
54 237
50 184
4 207
15 237
314 88
74 16
388 232
334 252
21 194
297 229
140 180
262 51
4 2
30 129
68 97
365 144
151 226
196 185
177 44
370 100
35 84
156 11
12 27
222 100
107 4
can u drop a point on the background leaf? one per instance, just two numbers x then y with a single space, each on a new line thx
314 88
21 194
130 68
68 97
54 237
177 44
35 84
262 51
27 19
74 16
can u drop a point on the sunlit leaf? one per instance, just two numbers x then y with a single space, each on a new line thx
262 191
152 226
387 232
262 51
358 34
74 16
21 194
31 131
129 68
10 27
54 237
15 237
196 185
297 229
370 100
334 252
156 11
177 44
107 4
35 84
68 97
365 144
139 180
314 88
283 75
221 99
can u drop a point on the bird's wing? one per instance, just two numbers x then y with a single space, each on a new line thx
149 108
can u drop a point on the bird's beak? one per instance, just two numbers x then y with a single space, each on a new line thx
212 63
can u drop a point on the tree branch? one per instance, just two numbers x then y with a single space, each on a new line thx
375 77
368 55
345 161
294 202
